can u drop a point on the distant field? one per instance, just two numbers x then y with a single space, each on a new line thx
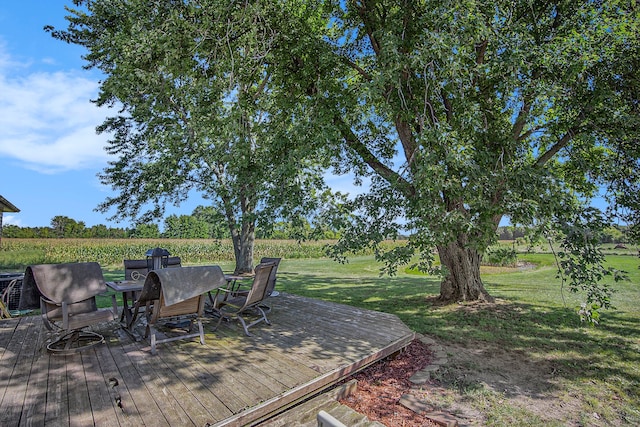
16 254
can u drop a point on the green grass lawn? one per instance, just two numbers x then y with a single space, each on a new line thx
534 319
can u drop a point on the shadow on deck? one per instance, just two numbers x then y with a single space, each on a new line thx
232 380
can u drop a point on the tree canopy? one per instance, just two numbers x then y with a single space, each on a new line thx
461 113
197 111
466 112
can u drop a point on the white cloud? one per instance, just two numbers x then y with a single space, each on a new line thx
11 220
47 119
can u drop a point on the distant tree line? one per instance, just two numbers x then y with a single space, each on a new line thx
203 223
207 223
612 234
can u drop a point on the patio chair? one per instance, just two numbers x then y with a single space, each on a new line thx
136 269
177 295
270 291
67 294
237 305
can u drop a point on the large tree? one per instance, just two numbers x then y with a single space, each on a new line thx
467 111
197 111
460 112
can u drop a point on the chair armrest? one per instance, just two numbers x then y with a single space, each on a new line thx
45 306
44 300
214 298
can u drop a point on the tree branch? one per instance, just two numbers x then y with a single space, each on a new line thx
260 89
447 106
406 138
370 159
364 13
562 142
356 67
521 120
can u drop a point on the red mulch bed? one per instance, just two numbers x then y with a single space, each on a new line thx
381 385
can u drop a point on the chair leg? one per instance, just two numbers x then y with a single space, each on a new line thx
264 314
220 317
153 343
263 318
244 325
201 329
265 307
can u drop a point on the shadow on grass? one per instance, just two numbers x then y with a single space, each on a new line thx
545 343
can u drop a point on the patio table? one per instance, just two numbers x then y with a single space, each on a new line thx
128 289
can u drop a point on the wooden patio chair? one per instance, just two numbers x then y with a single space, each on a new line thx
67 294
176 295
270 286
240 303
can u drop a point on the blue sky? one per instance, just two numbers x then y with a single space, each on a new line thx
49 150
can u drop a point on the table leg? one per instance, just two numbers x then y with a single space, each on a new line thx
126 308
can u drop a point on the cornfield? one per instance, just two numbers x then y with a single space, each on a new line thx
18 253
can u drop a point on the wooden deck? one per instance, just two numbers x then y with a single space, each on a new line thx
231 380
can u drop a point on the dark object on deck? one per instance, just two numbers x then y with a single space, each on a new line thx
10 289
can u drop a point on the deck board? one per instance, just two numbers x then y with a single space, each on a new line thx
232 380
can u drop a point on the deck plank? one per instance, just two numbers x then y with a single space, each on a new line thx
80 413
141 399
191 372
100 399
57 406
14 399
35 404
114 376
231 380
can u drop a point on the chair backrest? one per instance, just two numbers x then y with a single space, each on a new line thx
138 268
76 284
173 261
134 268
272 277
69 283
258 291
180 290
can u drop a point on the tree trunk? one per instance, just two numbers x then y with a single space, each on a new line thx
462 282
243 243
